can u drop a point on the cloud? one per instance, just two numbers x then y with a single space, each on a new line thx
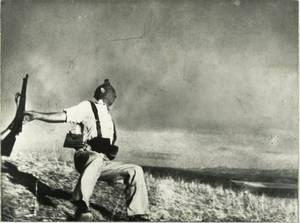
182 64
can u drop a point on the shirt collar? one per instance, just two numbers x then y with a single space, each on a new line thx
100 102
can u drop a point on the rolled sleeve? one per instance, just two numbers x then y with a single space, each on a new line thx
77 113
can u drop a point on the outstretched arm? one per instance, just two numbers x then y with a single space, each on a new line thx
52 117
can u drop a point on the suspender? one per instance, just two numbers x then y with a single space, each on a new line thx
95 111
115 134
98 126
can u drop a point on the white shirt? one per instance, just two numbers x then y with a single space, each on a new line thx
83 113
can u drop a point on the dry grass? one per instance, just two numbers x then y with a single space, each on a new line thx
192 201
171 199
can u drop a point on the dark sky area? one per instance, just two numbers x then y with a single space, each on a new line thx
192 65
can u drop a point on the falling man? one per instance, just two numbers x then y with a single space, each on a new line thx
93 158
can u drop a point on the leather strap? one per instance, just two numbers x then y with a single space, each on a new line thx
115 134
98 126
95 111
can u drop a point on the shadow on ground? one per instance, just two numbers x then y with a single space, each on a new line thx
41 190
44 193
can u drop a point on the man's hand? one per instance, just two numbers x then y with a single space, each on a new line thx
29 116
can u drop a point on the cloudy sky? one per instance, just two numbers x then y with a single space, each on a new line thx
192 65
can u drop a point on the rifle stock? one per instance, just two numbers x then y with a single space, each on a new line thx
15 127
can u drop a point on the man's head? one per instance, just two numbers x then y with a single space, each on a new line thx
106 92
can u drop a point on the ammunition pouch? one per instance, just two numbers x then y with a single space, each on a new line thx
102 145
74 140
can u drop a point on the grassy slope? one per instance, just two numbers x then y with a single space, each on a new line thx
41 190
38 152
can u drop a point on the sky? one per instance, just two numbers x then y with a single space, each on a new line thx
188 65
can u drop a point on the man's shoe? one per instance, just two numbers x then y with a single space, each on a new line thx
84 216
82 212
138 218
87 216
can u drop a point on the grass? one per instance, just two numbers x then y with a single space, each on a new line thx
171 198
178 200
39 156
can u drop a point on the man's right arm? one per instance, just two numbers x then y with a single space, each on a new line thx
52 117
74 114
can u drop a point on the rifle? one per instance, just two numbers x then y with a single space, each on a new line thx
15 127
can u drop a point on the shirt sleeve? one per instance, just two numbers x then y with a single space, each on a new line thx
77 113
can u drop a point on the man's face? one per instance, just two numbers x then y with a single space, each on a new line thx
109 98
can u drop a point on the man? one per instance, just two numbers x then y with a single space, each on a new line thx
92 161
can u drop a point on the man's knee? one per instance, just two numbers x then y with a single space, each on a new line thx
135 172
139 170
92 168
83 158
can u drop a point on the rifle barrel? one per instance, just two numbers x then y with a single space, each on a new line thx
8 138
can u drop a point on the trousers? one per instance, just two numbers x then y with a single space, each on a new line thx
94 166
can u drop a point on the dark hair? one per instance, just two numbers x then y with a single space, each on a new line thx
105 90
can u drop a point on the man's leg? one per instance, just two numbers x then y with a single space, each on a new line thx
136 190
87 181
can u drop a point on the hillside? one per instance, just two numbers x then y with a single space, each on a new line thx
36 188
189 176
